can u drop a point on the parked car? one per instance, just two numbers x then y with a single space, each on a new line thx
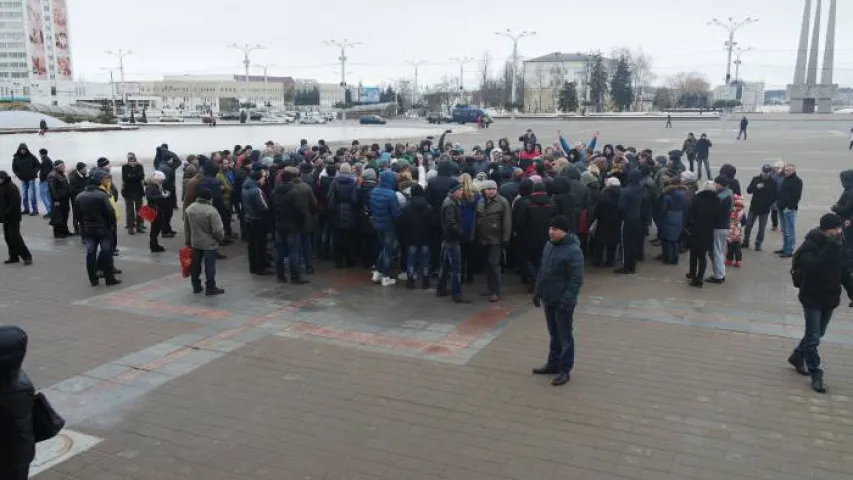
312 120
230 116
466 114
372 120
436 117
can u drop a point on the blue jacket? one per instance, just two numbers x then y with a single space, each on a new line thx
672 213
567 147
561 272
384 206
254 204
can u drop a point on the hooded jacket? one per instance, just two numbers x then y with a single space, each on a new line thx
606 213
819 260
438 187
384 206
729 171
844 206
580 193
531 220
632 198
343 197
764 197
417 221
561 272
672 213
17 439
704 210
25 166
254 203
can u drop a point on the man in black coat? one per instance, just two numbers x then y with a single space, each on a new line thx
45 168
818 265
77 183
133 190
26 167
790 193
558 285
844 209
60 192
292 214
531 220
98 224
17 438
10 217
764 194
417 221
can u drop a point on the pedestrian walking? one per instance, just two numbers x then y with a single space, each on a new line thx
816 270
557 288
668 120
744 123
204 222
10 217
703 153
17 436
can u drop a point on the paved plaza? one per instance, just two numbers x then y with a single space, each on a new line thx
342 379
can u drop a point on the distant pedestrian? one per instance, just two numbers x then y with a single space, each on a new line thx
668 120
557 288
851 140
42 127
703 153
10 217
816 270
206 232
743 124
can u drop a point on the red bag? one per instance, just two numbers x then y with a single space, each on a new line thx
147 213
186 256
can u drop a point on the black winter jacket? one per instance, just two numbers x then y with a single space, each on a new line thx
96 211
17 440
417 221
790 193
608 230
451 220
26 167
704 210
132 177
58 186
819 259
437 188
764 197
10 202
291 211
531 219
564 201
45 168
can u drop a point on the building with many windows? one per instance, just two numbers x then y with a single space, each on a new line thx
544 77
35 53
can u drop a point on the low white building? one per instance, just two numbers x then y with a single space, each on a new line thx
750 94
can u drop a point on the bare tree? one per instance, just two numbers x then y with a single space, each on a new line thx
485 67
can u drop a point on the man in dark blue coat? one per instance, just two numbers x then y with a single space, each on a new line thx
17 439
632 204
557 288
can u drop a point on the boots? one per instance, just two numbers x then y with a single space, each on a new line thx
425 283
817 383
799 363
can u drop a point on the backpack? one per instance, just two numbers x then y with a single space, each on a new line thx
796 269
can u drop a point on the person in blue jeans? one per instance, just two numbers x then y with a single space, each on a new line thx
385 210
818 268
557 288
788 201
451 248
26 167
45 167
293 215
416 222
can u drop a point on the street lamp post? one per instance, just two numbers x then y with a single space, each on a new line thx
462 61
343 45
120 54
415 64
740 51
515 37
266 67
246 49
731 25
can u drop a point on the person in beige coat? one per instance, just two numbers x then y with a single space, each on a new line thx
204 223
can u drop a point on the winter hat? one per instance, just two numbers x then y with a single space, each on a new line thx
80 165
830 221
613 182
42 151
58 163
722 181
103 162
561 222
588 177
158 175
369 174
345 168
766 168
487 184
204 194
455 188
687 176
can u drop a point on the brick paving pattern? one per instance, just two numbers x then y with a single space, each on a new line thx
345 380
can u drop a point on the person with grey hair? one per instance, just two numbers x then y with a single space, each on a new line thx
494 230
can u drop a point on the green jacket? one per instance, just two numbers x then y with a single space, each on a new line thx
494 221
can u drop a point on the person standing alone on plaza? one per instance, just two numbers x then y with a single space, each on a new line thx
816 270
10 217
204 222
26 167
133 189
557 288
703 152
744 122
790 193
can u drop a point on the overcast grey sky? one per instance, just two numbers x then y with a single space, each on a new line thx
191 36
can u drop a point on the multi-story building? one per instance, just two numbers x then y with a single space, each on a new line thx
35 54
544 77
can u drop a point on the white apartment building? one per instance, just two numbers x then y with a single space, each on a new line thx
35 54
544 77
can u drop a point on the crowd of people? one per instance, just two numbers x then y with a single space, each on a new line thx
431 212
